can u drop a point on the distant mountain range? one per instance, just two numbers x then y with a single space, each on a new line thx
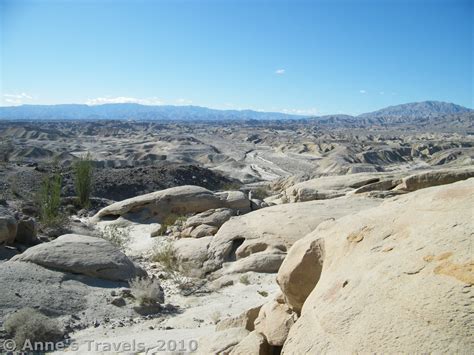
423 109
128 111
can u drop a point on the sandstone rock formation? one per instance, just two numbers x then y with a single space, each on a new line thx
191 254
53 292
221 342
327 187
85 255
214 217
245 320
274 321
300 271
434 178
263 236
254 343
8 226
156 206
27 231
397 278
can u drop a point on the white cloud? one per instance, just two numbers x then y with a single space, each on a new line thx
17 99
19 96
183 102
280 71
363 91
302 112
123 99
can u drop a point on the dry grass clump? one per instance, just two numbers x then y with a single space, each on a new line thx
170 220
244 279
147 291
165 255
27 324
261 193
119 237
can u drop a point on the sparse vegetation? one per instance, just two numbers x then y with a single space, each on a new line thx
49 200
120 237
263 293
6 150
261 193
29 324
83 179
244 279
14 188
147 291
170 220
166 256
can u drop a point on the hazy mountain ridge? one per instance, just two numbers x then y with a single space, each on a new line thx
135 112
418 109
392 114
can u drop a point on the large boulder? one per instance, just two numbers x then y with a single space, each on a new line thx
203 230
80 254
273 230
434 178
55 293
268 261
253 344
214 217
328 187
8 226
27 231
300 271
156 206
274 321
191 254
244 320
221 342
396 278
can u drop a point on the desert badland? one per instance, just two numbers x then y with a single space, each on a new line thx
244 236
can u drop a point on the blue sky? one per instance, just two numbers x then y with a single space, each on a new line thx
308 57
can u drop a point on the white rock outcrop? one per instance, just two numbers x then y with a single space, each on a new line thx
80 254
396 278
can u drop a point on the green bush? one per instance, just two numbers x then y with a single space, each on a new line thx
29 324
49 199
261 193
83 179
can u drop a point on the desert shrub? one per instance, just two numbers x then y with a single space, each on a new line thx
29 324
263 293
244 279
165 254
261 193
83 179
49 200
119 237
170 220
147 291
